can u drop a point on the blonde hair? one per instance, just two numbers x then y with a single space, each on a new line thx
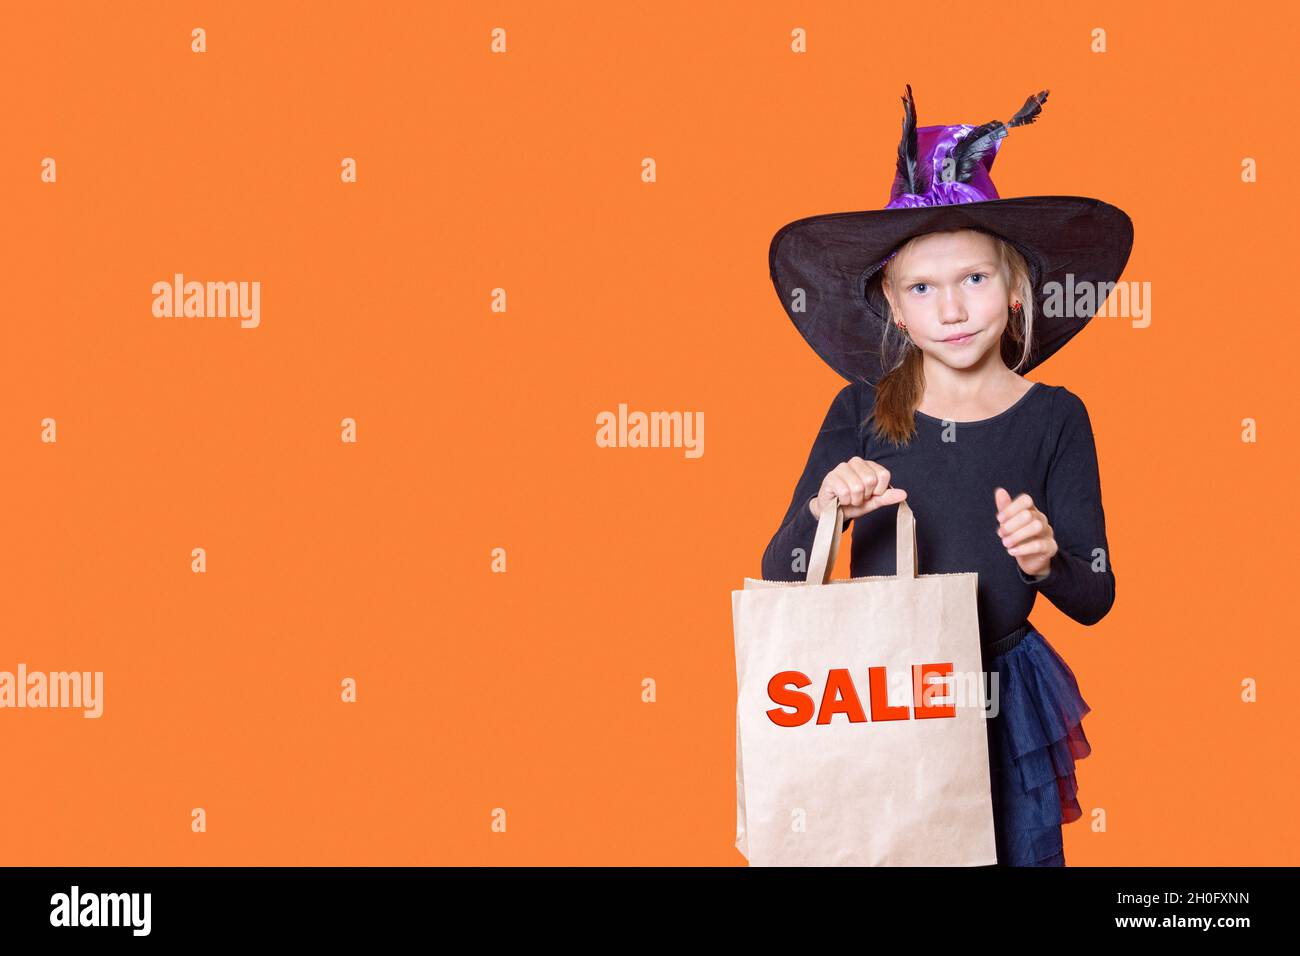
900 391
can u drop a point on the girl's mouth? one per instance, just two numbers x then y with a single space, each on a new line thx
962 340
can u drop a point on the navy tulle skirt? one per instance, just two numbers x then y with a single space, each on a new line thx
1033 744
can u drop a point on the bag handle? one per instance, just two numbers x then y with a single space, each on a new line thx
826 545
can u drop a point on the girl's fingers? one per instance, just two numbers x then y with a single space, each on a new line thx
844 491
1033 546
1017 521
1018 504
891 497
880 474
869 487
833 486
1029 532
861 467
860 484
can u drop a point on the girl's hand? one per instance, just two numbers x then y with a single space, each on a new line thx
1025 532
861 486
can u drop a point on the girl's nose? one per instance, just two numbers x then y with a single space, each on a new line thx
951 308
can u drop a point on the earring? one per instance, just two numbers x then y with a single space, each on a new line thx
902 326
1016 307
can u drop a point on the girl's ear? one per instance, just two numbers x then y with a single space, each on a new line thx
894 315
888 293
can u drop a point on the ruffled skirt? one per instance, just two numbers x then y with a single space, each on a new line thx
1034 742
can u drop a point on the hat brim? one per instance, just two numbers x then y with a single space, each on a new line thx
833 257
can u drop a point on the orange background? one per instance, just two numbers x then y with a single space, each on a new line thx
476 429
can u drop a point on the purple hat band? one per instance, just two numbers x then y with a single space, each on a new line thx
935 144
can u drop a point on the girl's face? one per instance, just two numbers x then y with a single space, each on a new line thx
949 284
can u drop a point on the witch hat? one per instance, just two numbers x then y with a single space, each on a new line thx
826 268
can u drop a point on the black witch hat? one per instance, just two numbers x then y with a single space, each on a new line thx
826 268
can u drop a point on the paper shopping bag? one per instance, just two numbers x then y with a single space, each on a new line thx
860 734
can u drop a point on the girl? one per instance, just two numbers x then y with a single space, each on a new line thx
934 297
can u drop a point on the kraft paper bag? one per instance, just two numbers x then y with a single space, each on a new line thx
860 734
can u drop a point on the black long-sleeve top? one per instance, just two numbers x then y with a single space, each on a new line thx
1042 445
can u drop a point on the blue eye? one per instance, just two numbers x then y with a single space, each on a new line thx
981 275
